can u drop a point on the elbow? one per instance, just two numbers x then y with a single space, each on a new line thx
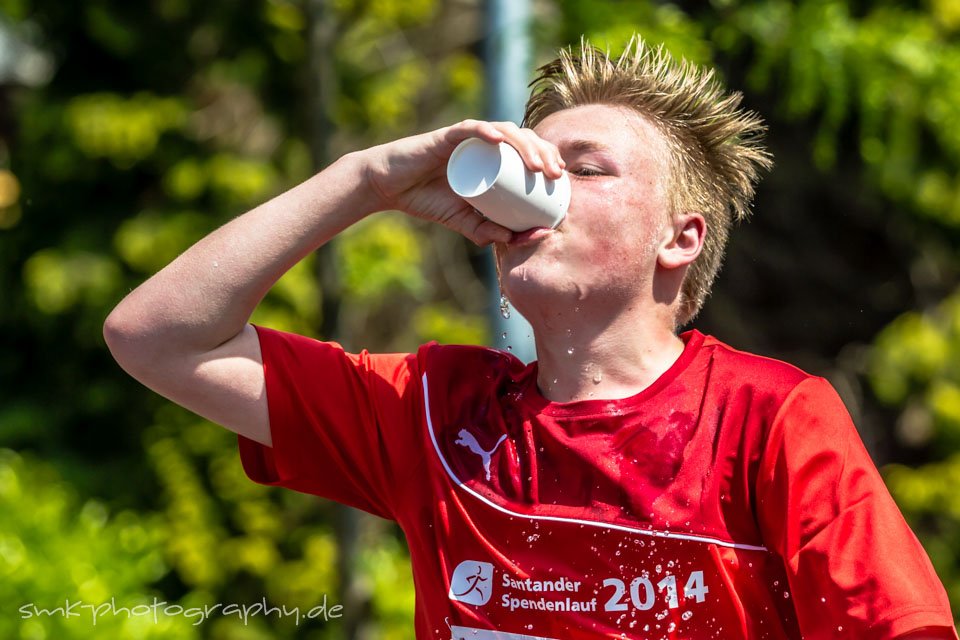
115 332
123 335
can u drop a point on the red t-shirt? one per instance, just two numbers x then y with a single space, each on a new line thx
732 498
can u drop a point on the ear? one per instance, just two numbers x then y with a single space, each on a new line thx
682 240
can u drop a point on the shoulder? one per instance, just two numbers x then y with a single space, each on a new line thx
470 375
466 359
745 383
743 368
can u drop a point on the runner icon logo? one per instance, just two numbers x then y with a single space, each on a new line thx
472 582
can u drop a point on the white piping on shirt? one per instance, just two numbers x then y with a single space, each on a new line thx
644 532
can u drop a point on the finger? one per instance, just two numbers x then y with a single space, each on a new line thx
525 144
552 161
470 128
479 230
488 232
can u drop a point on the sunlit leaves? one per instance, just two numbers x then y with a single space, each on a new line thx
609 24
186 180
55 548
123 130
946 13
916 359
464 73
929 495
240 181
55 280
390 100
446 325
194 540
389 13
150 240
285 15
290 22
10 210
301 582
893 73
911 351
388 566
293 303
381 255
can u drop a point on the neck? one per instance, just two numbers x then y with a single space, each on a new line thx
582 355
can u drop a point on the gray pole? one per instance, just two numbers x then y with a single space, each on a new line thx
508 66
349 524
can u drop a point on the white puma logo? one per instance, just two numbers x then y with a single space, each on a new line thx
467 440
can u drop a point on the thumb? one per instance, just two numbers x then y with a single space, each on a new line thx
470 223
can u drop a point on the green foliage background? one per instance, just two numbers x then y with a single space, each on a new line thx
128 130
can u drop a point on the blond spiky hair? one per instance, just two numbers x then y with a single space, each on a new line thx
716 152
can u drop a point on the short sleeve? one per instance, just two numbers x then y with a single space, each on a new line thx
342 425
855 569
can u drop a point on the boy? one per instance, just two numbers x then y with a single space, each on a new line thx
632 482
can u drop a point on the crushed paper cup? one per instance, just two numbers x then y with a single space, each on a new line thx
493 178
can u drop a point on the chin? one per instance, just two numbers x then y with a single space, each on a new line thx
535 287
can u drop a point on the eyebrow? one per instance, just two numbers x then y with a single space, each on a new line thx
584 146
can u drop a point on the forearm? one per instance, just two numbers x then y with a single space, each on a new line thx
206 296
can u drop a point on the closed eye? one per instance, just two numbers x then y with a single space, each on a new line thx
586 172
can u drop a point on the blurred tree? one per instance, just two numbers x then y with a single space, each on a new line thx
58 557
129 131
151 126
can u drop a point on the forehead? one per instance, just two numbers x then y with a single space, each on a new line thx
618 128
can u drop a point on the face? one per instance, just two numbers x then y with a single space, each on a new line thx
606 248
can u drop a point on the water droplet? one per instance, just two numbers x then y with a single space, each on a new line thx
687 615
504 335
672 626
570 351
597 377
509 348
504 307
786 595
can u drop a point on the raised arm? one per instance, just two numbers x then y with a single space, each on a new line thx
184 332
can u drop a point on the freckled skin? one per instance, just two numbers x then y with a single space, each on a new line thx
606 242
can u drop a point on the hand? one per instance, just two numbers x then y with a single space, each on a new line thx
410 174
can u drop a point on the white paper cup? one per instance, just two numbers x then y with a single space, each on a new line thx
493 178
